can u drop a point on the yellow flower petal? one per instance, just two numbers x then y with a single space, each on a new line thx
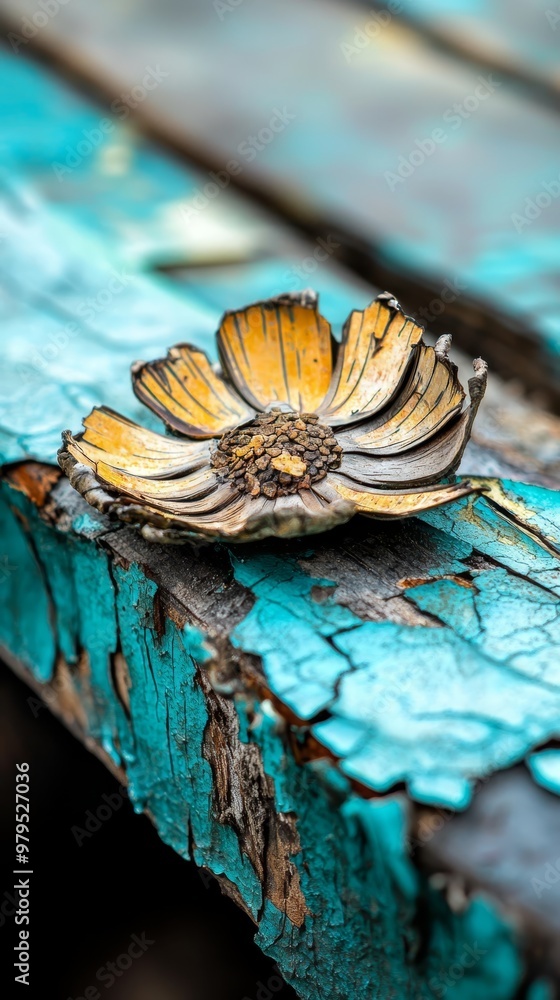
435 458
117 441
401 504
158 491
277 352
187 394
377 346
430 399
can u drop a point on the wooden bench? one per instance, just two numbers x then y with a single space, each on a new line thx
355 733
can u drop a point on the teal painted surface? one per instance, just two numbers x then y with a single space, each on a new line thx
78 306
358 882
64 606
167 772
545 768
105 178
520 552
27 611
73 320
293 633
521 35
461 211
392 716
437 708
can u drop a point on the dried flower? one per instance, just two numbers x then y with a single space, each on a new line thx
294 436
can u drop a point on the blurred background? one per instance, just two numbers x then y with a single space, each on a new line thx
162 162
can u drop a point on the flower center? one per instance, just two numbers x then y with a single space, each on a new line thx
277 453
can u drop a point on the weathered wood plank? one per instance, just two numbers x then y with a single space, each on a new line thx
491 608
453 232
102 210
74 324
172 605
118 637
514 38
92 674
245 693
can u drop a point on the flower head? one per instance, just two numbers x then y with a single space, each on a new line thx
294 435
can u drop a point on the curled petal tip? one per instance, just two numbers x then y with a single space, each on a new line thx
389 300
477 384
443 346
309 297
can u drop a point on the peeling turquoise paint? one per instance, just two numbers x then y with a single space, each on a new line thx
540 508
484 529
168 774
511 620
72 324
26 619
436 708
286 618
79 596
431 710
359 884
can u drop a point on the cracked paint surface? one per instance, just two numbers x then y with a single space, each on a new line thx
72 326
431 707
434 708
360 888
287 620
